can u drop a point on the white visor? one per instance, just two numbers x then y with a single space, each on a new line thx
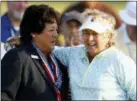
95 26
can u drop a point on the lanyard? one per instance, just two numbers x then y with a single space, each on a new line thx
53 76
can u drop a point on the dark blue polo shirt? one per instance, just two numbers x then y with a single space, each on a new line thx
6 28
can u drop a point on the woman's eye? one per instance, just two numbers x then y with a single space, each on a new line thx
94 34
85 33
51 30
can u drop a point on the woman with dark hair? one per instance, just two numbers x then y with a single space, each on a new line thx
30 72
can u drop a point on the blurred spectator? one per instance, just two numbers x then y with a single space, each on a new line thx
10 21
126 37
3 51
72 21
60 38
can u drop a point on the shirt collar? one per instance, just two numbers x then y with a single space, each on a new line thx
102 54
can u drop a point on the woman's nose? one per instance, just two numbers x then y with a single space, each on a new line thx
55 34
74 30
91 37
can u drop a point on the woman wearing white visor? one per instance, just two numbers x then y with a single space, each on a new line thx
97 70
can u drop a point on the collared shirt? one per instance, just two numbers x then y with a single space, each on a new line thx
125 44
7 29
110 76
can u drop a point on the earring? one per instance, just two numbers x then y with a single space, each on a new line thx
33 35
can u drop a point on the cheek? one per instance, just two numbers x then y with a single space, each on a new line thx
46 37
85 39
100 41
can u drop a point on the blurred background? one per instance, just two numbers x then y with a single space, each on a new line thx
69 24
61 5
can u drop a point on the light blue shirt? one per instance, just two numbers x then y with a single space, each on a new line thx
110 76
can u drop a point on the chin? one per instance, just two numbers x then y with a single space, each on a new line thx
92 52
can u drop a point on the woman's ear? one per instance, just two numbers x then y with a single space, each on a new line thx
33 35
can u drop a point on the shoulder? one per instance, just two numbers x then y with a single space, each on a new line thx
77 48
4 18
119 63
5 23
119 58
113 54
16 53
71 49
76 51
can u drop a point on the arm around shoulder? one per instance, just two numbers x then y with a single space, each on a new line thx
62 54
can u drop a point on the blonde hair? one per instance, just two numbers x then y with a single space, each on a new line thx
112 39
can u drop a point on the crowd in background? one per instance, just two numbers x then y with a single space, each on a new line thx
23 25
70 21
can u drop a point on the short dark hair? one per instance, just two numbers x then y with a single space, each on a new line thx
34 21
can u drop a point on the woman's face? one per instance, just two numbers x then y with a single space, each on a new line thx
71 34
73 27
46 40
94 42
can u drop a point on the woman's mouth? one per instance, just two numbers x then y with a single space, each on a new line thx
92 45
53 42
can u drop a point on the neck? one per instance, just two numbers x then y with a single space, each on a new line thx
43 50
90 58
46 54
14 21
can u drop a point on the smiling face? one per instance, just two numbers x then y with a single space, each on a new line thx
94 42
46 40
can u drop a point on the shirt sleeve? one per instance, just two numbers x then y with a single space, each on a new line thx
62 54
127 76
